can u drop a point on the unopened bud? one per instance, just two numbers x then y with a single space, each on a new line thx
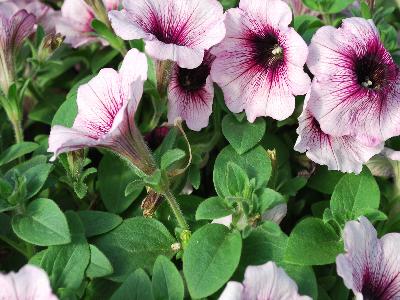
99 10
150 204
50 43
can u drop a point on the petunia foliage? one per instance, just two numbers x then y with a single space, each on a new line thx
199 149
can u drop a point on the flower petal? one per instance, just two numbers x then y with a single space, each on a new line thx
32 283
275 214
269 282
391 272
345 153
173 30
64 139
275 12
364 254
232 291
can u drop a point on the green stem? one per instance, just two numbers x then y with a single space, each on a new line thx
396 171
18 131
175 209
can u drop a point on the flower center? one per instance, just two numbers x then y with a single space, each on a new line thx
193 79
268 51
371 73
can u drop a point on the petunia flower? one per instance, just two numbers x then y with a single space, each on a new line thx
75 23
106 108
356 88
29 283
267 281
371 266
45 15
259 64
179 31
343 153
191 93
13 31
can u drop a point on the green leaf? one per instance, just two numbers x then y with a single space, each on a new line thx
136 287
170 157
114 176
210 259
324 181
213 208
353 194
167 282
67 112
293 185
105 32
328 6
99 265
237 180
134 186
36 178
305 278
243 135
101 58
255 162
42 224
16 151
312 242
365 11
136 243
98 222
268 199
66 264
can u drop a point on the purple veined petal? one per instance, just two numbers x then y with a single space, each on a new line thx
190 94
21 26
370 267
345 153
259 65
232 291
266 281
174 30
8 8
30 282
106 110
356 81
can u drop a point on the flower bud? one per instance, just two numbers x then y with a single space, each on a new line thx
49 44
99 10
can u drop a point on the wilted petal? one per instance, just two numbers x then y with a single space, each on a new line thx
264 282
29 283
259 64
345 153
357 84
275 214
173 30
227 221
191 94
370 267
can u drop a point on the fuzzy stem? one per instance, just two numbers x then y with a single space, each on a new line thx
175 209
18 131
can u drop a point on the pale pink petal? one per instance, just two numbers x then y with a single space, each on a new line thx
227 221
391 154
30 282
173 30
232 291
274 12
64 139
269 282
346 153
185 57
133 73
123 26
391 272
